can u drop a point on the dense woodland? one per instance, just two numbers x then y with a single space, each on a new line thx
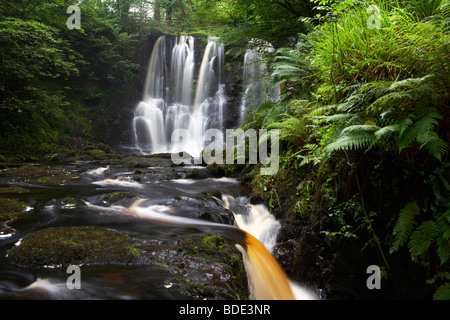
363 117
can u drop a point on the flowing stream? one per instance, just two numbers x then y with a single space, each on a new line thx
169 207
167 210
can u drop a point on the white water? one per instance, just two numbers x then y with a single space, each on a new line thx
255 76
170 103
256 220
261 224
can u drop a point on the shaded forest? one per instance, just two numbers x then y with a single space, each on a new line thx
363 115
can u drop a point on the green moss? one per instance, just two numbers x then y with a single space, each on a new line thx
212 242
73 245
13 189
197 289
212 248
10 209
206 244
39 174
120 198
96 154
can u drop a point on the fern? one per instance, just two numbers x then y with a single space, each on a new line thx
404 226
402 111
422 238
290 129
443 292
423 132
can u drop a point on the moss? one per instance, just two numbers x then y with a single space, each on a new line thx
104 147
96 154
9 209
40 174
212 248
73 245
13 189
208 244
120 198
197 289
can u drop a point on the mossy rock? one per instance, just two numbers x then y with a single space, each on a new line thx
216 170
62 246
96 154
197 174
9 209
104 147
212 250
40 174
208 244
120 198
13 189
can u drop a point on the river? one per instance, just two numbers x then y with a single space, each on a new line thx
170 207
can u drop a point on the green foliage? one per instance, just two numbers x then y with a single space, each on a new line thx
55 82
405 225
363 110
442 293
291 67
432 235
274 22
402 113
404 46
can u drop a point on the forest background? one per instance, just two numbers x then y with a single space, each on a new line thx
363 116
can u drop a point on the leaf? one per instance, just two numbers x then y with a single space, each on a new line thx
423 237
443 292
404 225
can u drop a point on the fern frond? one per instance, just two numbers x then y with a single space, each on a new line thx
359 128
289 129
404 226
386 132
423 132
443 223
355 141
443 292
422 238
338 117
322 110
443 250
433 144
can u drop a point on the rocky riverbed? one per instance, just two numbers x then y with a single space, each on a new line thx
59 213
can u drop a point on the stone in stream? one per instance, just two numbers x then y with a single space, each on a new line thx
203 265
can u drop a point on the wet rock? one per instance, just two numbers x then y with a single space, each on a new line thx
204 207
207 267
216 170
316 261
39 174
120 198
142 162
197 174
9 210
96 154
63 246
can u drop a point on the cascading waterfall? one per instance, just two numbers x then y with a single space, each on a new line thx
266 278
148 122
170 101
256 91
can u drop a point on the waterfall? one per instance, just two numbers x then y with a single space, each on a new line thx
267 280
257 88
171 102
